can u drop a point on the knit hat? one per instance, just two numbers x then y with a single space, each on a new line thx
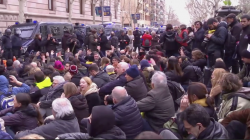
246 53
58 65
232 15
133 71
73 69
144 64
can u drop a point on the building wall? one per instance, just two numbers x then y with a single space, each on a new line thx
38 10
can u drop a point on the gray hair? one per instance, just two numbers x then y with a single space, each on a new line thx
119 93
124 65
62 107
60 79
159 79
16 64
110 68
153 32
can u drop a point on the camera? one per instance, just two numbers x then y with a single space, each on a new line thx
204 42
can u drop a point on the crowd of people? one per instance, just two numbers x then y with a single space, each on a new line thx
186 83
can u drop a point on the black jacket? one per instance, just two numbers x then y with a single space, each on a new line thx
103 41
16 41
236 29
137 88
101 79
6 42
244 39
201 63
199 36
217 40
37 45
173 76
76 79
123 44
65 38
214 131
128 117
72 45
169 41
188 73
50 45
114 41
137 37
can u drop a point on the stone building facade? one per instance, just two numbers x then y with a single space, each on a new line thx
82 11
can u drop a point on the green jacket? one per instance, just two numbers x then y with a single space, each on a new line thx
244 74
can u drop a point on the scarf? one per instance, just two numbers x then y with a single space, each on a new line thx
88 62
109 73
201 102
92 89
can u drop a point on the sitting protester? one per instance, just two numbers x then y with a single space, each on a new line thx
147 71
174 71
244 73
111 72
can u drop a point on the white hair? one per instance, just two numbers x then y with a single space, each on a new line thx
119 93
110 68
62 107
124 65
60 79
16 64
159 79
153 32
33 64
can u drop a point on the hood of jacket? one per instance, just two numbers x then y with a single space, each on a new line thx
4 84
78 101
92 89
53 90
170 34
103 75
244 91
45 83
30 110
184 64
101 116
214 131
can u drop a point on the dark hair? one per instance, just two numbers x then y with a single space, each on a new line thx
48 71
200 91
23 98
148 135
39 76
134 62
230 83
93 67
245 16
211 21
169 27
126 59
174 65
37 35
190 29
198 22
2 69
9 63
27 68
194 114
71 58
218 18
68 62
76 62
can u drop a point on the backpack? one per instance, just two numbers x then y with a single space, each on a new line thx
199 74
230 43
147 43
7 101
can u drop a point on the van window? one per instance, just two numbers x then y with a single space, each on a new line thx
55 30
43 31
26 31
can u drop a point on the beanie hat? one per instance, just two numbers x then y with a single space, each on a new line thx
133 71
73 69
144 64
58 65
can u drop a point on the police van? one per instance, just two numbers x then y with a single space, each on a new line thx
31 28
116 28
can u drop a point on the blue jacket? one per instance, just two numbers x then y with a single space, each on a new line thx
4 135
4 87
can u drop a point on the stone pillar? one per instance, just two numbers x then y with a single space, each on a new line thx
21 17
70 10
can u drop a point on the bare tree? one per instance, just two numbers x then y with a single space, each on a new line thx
171 17
202 9
244 5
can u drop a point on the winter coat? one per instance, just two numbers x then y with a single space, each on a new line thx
21 119
228 103
236 29
128 117
4 88
244 74
35 96
243 116
103 42
72 45
137 36
146 37
16 41
92 96
155 40
67 124
4 135
50 45
107 88
169 41
53 93
136 88
244 39
173 76
214 131
148 73
112 76
158 107
114 133
80 106
76 79
100 79
123 44
92 43
37 45
217 40
6 42
114 41
201 63
199 36
65 38
189 74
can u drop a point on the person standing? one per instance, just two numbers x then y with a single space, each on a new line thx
137 39
131 37
124 40
199 34
114 40
93 41
7 45
147 39
51 43
103 42
16 41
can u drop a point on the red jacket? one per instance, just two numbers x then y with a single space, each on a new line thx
146 36
183 43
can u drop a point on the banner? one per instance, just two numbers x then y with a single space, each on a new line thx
106 11
98 11
135 16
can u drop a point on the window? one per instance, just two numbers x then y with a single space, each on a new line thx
50 4
67 6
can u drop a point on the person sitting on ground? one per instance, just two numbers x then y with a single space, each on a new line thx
64 121
244 73
98 77
76 76
111 72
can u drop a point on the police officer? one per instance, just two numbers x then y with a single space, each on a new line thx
7 45
16 41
